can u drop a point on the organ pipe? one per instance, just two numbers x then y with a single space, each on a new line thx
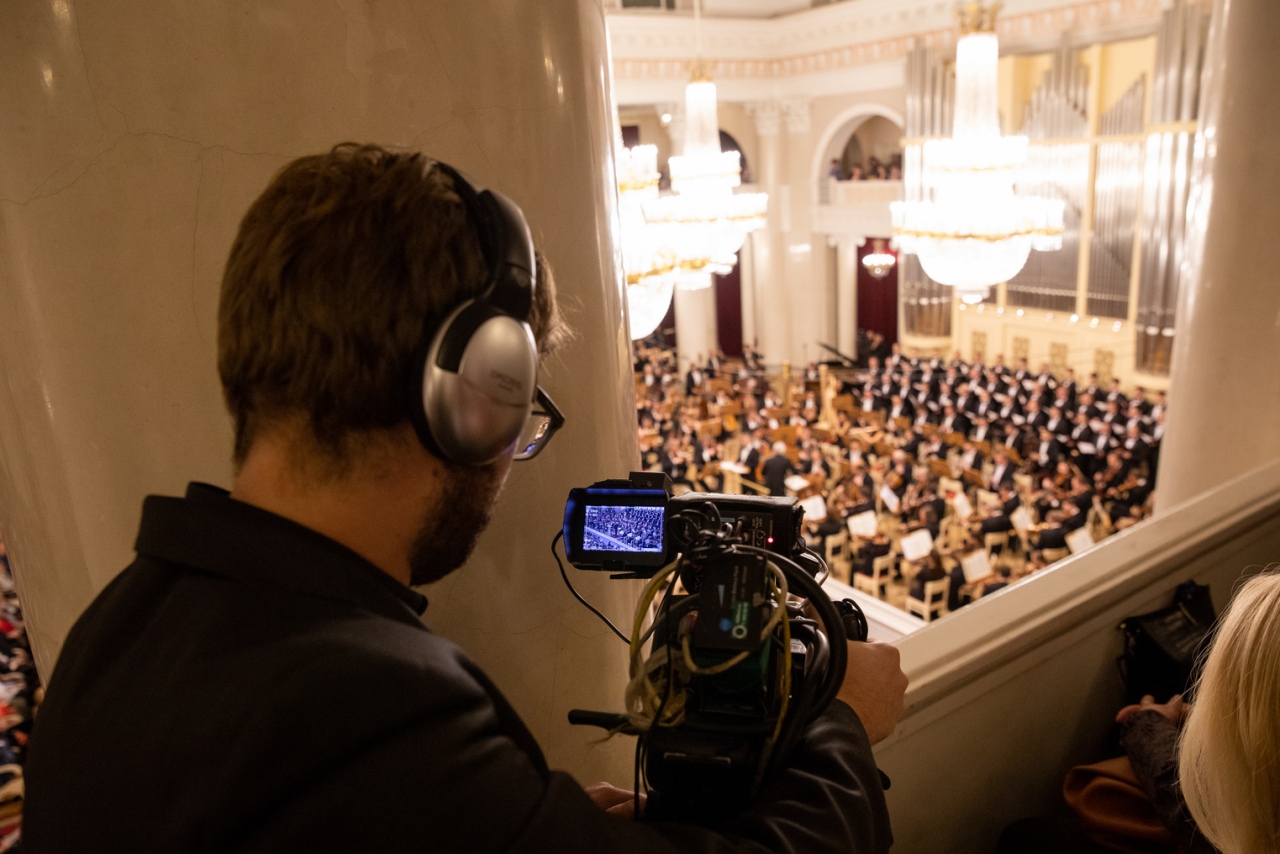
1117 193
1167 179
1057 125
926 305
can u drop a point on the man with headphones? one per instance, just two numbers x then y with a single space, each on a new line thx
259 679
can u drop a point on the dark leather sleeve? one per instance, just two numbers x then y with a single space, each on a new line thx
455 782
828 801
1150 740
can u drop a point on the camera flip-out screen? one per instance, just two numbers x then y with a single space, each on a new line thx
616 528
623 529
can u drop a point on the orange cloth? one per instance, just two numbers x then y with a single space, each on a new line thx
1113 809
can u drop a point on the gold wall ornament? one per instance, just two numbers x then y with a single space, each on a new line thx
1104 364
1059 355
700 71
978 346
977 17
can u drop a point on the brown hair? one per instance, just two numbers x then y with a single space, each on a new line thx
337 269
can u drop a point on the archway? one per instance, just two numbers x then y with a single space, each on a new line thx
836 135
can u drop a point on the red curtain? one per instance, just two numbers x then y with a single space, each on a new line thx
877 298
729 311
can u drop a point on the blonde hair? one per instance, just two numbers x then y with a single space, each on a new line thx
1229 761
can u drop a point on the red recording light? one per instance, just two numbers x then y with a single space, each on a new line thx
769 540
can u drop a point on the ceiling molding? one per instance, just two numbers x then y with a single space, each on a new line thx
804 51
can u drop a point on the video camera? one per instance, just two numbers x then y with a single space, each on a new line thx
737 668
622 526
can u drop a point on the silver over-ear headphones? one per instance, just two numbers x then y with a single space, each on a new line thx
478 368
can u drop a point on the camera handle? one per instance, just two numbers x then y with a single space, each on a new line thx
855 622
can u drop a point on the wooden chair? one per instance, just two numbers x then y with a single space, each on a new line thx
990 541
935 598
877 582
837 556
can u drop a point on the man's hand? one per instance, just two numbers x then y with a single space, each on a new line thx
1175 710
874 686
615 801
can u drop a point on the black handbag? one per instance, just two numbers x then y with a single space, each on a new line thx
1162 648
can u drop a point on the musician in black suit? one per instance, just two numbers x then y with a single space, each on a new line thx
971 457
693 379
1002 474
965 400
1114 394
714 360
749 454
1048 451
1035 417
1000 521
1069 383
1062 522
1015 437
1092 389
1086 407
982 430
1056 424
1045 378
954 421
899 408
1134 446
910 443
1009 407
985 405
777 469
1103 443
870 402
930 570
933 449
1022 373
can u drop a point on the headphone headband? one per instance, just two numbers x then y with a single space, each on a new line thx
505 242
478 368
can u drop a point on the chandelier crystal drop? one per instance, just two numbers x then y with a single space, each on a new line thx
972 230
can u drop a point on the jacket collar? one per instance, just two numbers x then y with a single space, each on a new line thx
211 531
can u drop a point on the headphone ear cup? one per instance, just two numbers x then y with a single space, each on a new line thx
478 383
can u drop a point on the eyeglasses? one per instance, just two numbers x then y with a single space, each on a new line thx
539 427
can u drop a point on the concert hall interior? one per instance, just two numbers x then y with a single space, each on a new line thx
999 474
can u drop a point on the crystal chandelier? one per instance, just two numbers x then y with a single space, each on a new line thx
648 263
972 231
878 262
704 220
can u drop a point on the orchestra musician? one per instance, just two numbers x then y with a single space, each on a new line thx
1076 451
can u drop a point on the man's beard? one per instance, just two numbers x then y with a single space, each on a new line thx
450 529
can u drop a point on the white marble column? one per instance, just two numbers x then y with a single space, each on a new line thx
135 136
695 325
847 295
805 272
1224 386
768 245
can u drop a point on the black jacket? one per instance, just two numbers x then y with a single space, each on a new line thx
775 471
250 685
